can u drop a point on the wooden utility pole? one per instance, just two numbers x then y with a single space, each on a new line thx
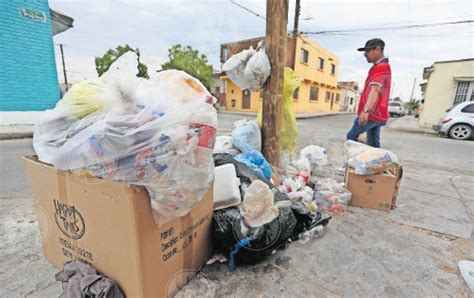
297 18
64 66
275 47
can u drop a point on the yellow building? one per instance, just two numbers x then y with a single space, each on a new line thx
448 83
318 92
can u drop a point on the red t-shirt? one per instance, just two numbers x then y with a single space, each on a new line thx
379 74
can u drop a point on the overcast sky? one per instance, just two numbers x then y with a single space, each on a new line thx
153 26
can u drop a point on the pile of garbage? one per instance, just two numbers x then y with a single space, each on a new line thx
156 132
259 208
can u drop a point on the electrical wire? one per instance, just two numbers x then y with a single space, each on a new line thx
247 9
389 28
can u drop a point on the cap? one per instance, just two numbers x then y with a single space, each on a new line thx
372 44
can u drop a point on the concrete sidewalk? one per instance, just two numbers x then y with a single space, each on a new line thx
409 124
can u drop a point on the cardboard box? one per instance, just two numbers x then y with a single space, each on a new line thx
377 191
110 225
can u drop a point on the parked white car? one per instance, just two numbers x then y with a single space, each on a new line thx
395 108
458 122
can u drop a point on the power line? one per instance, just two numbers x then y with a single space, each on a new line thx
247 9
390 28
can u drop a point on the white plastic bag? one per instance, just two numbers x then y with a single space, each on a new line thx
258 70
248 69
316 155
373 161
159 133
247 136
258 207
235 66
224 145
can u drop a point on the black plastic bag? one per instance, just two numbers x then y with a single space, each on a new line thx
228 226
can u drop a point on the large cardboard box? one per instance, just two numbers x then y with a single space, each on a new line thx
110 225
377 191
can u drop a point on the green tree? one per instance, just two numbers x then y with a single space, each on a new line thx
189 60
103 63
411 105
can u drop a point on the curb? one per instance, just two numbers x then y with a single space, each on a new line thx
408 130
16 135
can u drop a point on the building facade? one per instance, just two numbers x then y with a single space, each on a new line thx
318 67
28 76
350 96
448 83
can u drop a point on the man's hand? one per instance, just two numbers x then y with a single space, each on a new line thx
363 118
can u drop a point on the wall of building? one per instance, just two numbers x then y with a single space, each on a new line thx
346 95
234 94
441 88
28 69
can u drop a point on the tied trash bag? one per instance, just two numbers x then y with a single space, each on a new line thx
367 160
288 128
247 136
248 69
256 162
159 133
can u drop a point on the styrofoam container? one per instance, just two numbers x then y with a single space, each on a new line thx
226 187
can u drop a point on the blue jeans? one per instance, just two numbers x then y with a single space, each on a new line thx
372 129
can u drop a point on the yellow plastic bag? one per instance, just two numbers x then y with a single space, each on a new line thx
288 128
86 97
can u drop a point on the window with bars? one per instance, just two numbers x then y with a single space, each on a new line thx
314 93
328 96
463 92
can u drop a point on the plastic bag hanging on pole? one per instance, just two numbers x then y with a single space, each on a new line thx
248 69
288 128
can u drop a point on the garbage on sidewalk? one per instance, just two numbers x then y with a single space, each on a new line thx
233 236
373 176
82 280
159 133
248 69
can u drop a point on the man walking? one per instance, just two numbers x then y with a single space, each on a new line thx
373 105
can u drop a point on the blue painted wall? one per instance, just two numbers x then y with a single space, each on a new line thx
28 76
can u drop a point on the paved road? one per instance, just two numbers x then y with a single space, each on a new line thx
411 251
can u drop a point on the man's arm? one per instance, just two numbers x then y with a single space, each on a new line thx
371 100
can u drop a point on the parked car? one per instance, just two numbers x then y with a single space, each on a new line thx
458 122
395 109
